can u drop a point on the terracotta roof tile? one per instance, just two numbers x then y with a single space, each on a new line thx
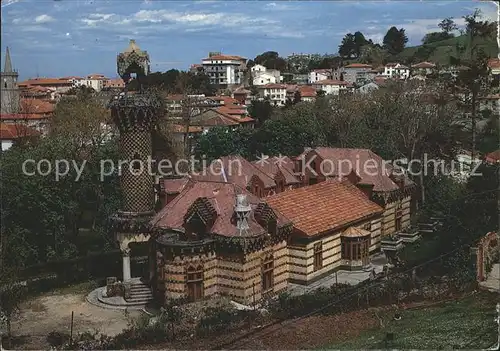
324 207
225 57
22 116
222 196
494 63
213 117
330 82
358 65
493 157
15 131
362 159
46 81
36 106
174 185
273 167
355 232
424 64
236 170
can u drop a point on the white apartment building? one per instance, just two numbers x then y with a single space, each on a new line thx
331 87
94 81
224 69
275 92
319 74
396 70
258 68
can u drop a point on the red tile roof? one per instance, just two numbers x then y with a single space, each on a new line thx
173 185
36 106
424 64
46 81
15 131
330 82
272 86
307 91
358 65
494 63
225 57
22 116
369 166
272 167
236 170
324 207
213 117
222 199
493 157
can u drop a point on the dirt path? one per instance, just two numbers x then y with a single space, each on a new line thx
48 313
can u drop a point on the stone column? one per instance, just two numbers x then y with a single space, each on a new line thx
126 265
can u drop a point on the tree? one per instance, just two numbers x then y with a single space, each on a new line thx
448 25
435 37
271 60
347 49
221 141
395 40
359 42
92 127
261 110
472 79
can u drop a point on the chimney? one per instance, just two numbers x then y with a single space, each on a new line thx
242 211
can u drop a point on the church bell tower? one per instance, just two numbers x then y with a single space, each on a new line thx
9 90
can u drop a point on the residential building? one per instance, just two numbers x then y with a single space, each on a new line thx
114 84
224 69
39 122
319 74
396 70
492 157
368 88
237 245
10 133
307 93
300 78
258 68
382 183
494 66
423 68
357 72
327 233
59 85
276 93
331 87
9 90
243 96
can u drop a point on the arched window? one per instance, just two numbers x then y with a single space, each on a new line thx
194 283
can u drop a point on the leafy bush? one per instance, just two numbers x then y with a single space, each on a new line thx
57 339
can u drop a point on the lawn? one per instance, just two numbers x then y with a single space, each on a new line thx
464 324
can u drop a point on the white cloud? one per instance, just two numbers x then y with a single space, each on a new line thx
44 19
153 21
6 3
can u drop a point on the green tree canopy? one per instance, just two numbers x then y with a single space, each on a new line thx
395 40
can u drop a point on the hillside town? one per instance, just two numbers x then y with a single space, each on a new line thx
341 193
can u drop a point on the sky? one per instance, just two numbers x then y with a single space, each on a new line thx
54 38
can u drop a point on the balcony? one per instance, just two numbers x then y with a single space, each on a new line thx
409 235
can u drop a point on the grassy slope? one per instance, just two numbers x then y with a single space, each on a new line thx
443 49
464 324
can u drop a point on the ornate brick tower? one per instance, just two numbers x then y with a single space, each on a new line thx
135 114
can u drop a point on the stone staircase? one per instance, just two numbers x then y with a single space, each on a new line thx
140 293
